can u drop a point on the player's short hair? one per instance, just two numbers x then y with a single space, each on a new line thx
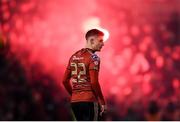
94 32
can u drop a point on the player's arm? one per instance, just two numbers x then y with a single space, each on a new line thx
94 73
96 86
66 80
97 89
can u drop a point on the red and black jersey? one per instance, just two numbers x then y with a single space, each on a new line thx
80 71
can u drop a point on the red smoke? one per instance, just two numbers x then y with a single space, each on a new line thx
48 32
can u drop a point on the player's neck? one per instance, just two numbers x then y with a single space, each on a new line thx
89 47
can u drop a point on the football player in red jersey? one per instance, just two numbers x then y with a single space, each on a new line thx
81 79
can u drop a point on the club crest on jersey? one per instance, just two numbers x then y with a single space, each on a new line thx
95 57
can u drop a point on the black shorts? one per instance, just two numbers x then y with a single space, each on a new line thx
86 111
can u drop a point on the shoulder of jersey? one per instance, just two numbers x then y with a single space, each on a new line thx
78 52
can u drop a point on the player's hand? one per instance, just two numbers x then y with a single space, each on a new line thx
103 109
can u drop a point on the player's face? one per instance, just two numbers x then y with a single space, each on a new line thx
98 43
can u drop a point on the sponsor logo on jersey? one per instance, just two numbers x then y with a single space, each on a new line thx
77 58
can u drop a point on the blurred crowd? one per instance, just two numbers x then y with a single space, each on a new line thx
28 96
152 56
154 94
36 96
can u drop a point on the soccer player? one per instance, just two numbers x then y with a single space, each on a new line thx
81 79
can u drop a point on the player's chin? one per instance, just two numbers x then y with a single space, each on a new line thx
99 50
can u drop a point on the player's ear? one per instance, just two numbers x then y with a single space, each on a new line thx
92 40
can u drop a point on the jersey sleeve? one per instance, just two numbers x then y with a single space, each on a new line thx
69 65
96 86
94 62
66 78
94 74
66 81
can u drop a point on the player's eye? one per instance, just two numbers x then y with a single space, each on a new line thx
101 40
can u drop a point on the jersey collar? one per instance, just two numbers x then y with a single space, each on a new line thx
92 51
